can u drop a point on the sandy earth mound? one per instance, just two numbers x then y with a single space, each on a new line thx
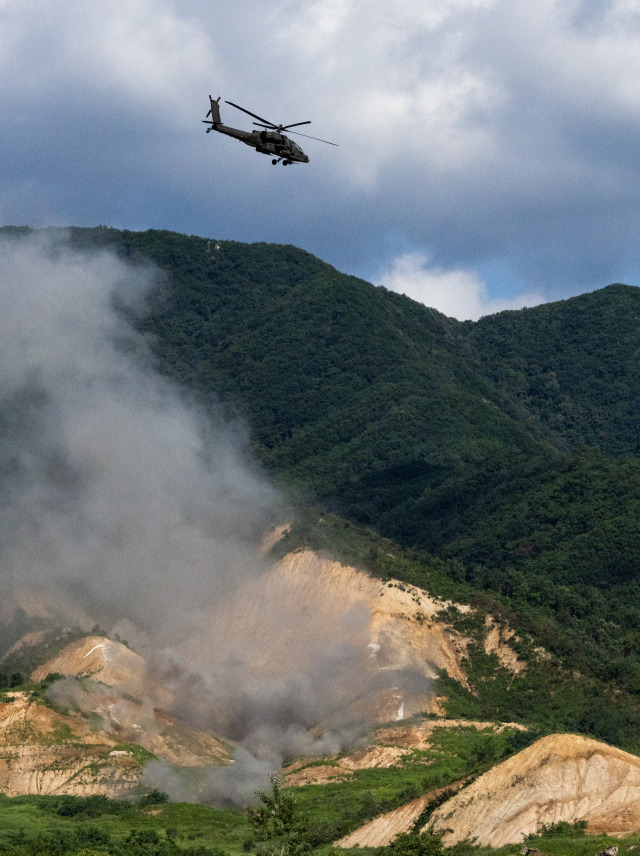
562 777
98 657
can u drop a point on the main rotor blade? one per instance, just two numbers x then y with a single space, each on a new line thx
255 116
300 134
280 128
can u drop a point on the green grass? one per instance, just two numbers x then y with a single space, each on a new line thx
333 809
38 816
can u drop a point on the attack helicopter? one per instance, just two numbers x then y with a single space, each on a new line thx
269 141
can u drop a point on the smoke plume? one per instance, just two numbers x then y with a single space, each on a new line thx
113 488
126 503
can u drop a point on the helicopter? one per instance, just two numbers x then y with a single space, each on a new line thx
269 141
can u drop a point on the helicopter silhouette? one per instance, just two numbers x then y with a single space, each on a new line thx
269 141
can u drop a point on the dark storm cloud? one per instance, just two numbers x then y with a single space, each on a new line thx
475 135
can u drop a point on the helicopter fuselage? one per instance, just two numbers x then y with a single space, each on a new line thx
266 142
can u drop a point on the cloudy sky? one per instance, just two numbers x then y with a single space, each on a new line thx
489 150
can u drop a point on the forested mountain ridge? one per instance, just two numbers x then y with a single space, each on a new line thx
507 446
572 364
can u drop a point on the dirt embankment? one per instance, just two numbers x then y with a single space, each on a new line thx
45 752
562 777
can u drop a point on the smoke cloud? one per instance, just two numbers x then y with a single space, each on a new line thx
128 504
113 488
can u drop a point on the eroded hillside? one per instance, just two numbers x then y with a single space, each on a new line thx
563 777
396 644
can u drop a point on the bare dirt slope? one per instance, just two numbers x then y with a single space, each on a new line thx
562 777
87 745
98 657
402 629
44 752
125 703
306 609
382 830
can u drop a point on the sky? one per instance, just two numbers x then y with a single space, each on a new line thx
488 150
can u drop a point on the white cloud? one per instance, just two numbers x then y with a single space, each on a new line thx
457 293
140 51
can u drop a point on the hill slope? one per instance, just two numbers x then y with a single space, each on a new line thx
559 778
463 439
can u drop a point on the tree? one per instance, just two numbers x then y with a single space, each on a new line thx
278 824
428 843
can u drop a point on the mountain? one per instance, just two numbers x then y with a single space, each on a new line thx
505 447
464 541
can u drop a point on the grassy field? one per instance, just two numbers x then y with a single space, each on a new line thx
34 825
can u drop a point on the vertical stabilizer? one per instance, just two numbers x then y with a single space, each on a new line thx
215 111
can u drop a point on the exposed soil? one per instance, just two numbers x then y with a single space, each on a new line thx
382 830
562 777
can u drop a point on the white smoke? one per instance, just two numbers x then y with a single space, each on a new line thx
112 487
134 506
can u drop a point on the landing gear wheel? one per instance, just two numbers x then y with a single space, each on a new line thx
274 161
